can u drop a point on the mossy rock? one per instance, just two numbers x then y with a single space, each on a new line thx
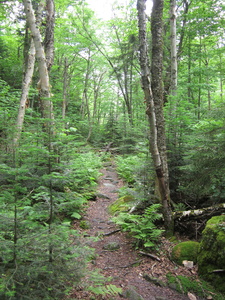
200 288
211 257
122 204
111 246
185 251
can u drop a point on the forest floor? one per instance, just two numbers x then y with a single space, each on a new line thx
126 266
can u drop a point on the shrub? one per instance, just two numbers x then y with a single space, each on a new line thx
142 227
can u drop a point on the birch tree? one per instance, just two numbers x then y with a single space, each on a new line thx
43 85
152 86
28 74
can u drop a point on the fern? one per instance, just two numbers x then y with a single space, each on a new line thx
142 227
109 289
99 284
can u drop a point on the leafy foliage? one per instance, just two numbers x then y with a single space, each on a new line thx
142 227
99 284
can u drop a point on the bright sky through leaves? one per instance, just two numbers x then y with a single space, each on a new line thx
103 8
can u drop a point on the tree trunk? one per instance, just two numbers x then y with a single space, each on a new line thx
173 37
97 85
49 34
43 85
85 109
154 105
29 70
65 87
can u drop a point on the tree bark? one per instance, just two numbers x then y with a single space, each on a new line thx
29 70
173 37
154 101
49 33
65 87
43 85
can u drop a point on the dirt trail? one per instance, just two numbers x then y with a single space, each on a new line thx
124 265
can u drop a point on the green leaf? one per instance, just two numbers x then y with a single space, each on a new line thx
76 215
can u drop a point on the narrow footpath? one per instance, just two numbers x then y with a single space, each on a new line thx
125 266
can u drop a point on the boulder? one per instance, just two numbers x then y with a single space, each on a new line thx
185 251
211 257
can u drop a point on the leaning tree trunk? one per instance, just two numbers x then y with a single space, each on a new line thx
44 86
155 116
29 70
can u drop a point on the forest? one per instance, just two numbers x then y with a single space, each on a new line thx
143 90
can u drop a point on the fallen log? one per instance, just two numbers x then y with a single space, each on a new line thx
192 222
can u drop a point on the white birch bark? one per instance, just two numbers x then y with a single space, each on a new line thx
25 90
44 85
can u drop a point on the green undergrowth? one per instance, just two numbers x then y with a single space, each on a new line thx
100 285
200 288
136 210
141 227
124 203
44 189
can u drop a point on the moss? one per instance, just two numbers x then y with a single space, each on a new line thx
185 251
184 284
84 224
212 252
121 204
173 239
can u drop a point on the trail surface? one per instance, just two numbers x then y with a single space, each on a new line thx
125 265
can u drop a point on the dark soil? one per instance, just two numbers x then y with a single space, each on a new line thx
126 266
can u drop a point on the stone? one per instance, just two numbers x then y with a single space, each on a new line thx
102 196
131 294
185 251
109 185
211 257
111 246
188 264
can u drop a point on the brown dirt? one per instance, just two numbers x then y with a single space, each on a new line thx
126 266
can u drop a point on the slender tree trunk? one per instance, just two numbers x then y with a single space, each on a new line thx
97 85
173 37
29 70
221 76
189 70
49 34
43 86
85 100
199 81
65 86
154 100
